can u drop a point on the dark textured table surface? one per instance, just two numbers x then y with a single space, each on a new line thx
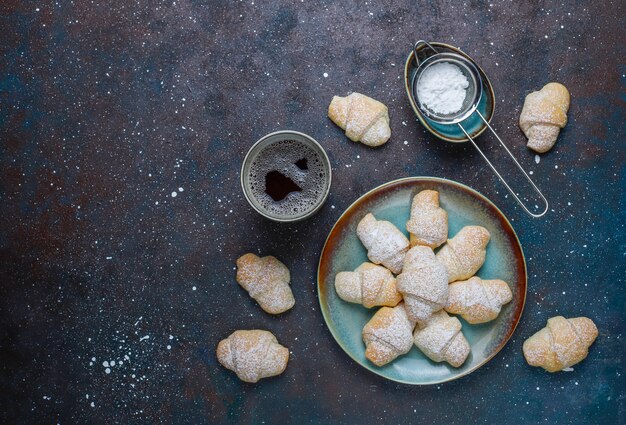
122 129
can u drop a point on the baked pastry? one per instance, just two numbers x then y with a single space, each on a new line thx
252 355
385 244
368 284
364 119
477 300
465 253
387 335
428 224
561 344
442 340
423 284
544 115
267 281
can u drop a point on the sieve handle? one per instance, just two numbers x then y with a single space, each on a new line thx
416 45
519 201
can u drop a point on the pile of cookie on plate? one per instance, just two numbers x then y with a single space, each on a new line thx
426 287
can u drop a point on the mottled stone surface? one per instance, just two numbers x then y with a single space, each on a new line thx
108 109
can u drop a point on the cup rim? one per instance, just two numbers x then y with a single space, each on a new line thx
298 135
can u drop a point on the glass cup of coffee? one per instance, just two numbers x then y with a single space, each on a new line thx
286 176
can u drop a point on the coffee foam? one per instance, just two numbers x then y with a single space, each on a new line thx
282 157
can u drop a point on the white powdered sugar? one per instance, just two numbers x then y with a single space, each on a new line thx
385 244
442 340
253 354
267 281
392 328
423 284
442 88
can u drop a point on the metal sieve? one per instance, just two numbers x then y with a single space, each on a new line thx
473 93
470 104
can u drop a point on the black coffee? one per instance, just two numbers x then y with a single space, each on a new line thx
278 185
288 178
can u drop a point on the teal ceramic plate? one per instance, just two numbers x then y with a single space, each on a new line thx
473 124
343 251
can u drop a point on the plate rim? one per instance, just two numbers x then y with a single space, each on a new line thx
423 179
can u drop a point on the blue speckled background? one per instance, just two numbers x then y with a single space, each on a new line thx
108 109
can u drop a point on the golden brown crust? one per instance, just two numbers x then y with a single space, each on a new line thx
364 119
428 224
385 244
477 300
338 111
388 335
252 354
423 284
544 113
442 340
561 344
465 253
369 285
267 281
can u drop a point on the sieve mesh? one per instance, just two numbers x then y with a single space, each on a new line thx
472 95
